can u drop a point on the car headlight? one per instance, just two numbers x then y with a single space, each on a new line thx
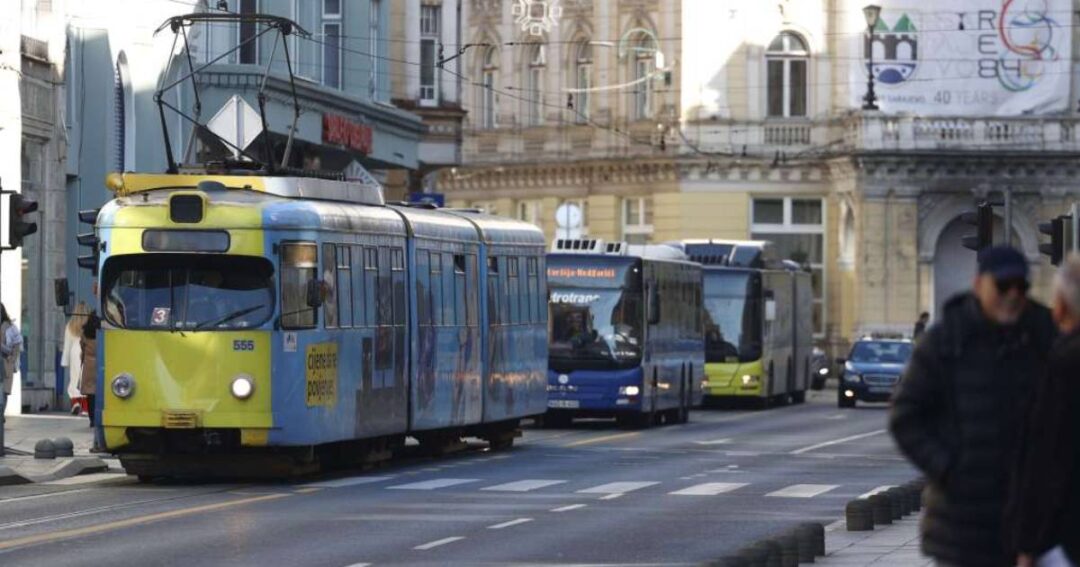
823 371
242 387
852 377
750 379
629 390
123 385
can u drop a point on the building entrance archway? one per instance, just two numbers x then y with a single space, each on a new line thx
954 266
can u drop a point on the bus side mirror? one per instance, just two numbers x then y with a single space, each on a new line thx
314 294
770 310
61 292
654 306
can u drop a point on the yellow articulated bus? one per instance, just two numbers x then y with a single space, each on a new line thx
758 323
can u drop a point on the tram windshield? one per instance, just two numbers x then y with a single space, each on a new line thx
188 292
733 314
597 327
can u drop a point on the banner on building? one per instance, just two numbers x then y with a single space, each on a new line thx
967 57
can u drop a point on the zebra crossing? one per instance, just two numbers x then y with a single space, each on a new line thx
607 490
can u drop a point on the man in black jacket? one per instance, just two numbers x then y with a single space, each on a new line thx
1045 508
959 407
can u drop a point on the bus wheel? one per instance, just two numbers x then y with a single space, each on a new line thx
798 397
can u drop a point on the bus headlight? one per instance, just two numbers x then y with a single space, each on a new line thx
123 385
242 387
750 379
629 390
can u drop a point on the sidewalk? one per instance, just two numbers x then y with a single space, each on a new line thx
889 546
21 433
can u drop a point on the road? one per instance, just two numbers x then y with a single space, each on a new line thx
592 494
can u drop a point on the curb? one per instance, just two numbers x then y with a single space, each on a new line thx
884 508
9 477
74 467
801 544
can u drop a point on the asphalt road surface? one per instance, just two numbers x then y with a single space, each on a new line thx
592 494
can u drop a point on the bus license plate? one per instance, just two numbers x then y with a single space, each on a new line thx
564 404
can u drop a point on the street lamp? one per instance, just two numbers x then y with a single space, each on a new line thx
872 12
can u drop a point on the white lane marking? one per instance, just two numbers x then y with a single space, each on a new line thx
570 507
516 522
359 565
616 487
433 484
437 543
86 478
612 496
714 442
709 489
351 481
837 442
803 490
524 485
877 490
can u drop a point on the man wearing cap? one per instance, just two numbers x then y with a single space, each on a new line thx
958 409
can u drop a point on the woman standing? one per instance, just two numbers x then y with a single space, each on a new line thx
72 357
88 354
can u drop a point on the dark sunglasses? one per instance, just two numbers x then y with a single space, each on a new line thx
1003 286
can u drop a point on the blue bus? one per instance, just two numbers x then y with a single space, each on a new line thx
625 333
283 323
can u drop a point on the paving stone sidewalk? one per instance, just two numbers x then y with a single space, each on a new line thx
890 546
21 433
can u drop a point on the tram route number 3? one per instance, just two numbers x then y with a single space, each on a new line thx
322 373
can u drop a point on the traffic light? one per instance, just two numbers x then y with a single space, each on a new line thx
983 221
18 226
1056 229
90 239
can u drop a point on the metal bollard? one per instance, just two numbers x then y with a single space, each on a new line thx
817 535
882 509
789 550
728 561
772 552
894 504
753 556
859 515
915 494
903 496
806 535
44 449
64 447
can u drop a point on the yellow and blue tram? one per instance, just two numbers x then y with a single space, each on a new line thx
295 321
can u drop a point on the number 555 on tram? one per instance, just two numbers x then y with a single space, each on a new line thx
295 322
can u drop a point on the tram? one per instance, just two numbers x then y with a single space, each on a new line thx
258 324
626 333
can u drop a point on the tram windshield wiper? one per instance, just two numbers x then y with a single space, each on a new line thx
226 318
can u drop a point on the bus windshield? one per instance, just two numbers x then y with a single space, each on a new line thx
187 292
733 313
595 328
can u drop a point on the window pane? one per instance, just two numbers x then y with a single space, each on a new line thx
332 7
344 287
801 248
427 69
248 51
775 88
768 211
329 281
423 288
806 211
332 55
797 87
633 212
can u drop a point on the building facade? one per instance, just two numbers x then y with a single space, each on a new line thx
721 119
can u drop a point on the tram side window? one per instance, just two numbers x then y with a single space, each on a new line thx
460 290
494 294
344 287
471 284
436 289
513 290
371 288
534 290
298 266
397 267
386 298
423 288
448 298
357 269
330 319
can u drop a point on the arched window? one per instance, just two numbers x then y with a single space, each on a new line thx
123 123
643 62
582 80
489 66
787 60
534 89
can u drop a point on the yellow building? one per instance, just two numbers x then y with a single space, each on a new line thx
722 119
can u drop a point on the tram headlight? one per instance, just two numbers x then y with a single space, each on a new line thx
242 387
629 390
123 385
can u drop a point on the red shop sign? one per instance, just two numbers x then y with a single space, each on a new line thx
337 129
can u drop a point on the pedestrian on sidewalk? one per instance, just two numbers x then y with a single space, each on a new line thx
1045 506
920 326
72 356
10 346
88 360
959 406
